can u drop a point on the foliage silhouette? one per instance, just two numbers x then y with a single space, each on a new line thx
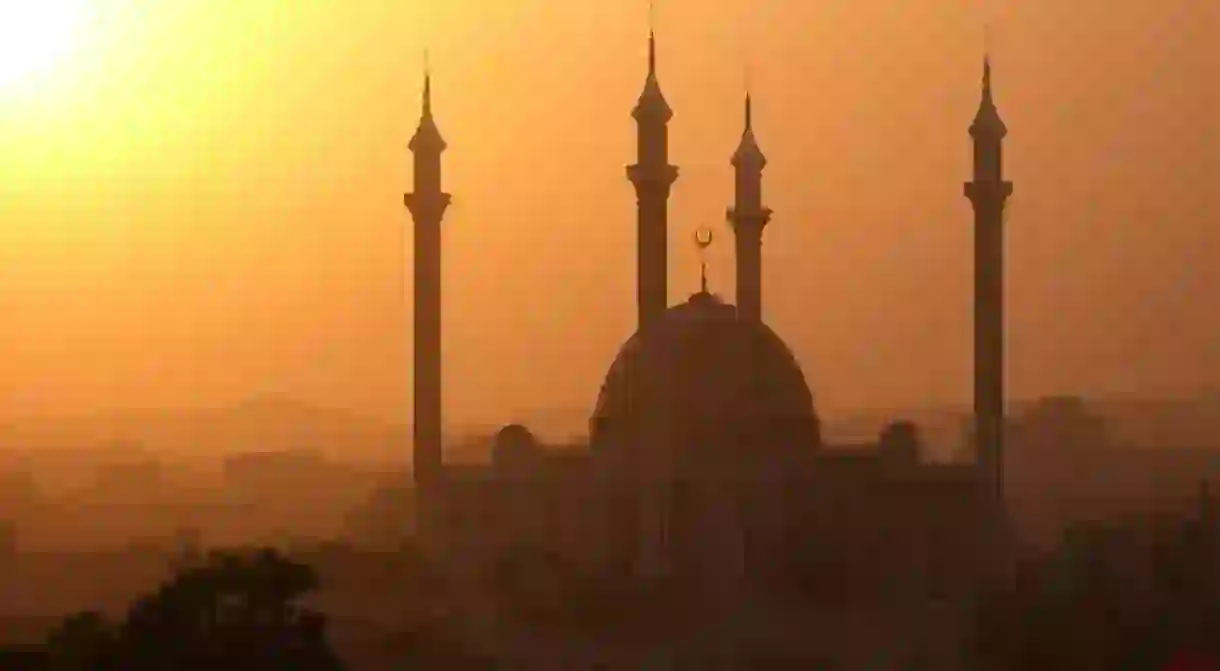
229 609
1128 597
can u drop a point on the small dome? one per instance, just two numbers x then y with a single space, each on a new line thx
900 442
652 104
513 445
701 369
748 155
987 123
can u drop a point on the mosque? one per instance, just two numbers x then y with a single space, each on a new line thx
705 465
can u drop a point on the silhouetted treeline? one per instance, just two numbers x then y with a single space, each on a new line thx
1138 594
1133 594
228 610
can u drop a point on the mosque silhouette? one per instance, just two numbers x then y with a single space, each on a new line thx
705 467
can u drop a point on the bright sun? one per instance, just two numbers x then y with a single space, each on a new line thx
35 34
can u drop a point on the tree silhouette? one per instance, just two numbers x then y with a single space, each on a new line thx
1134 596
230 609
530 583
82 641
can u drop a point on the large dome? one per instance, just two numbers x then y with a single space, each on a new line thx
702 369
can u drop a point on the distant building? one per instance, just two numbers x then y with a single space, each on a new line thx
1067 464
9 542
19 493
705 465
272 470
136 481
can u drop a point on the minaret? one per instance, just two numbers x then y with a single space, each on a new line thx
427 204
988 193
652 176
748 217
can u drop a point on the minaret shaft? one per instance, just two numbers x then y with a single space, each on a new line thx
748 218
988 193
749 274
989 382
427 204
653 178
426 426
652 260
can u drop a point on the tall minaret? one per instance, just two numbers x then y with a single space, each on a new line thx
748 217
988 193
427 204
652 176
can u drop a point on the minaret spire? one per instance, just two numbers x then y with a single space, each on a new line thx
987 79
652 38
748 217
748 154
427 136
652 54
988 192
987 123
427 203
653 178
652 103
749 121
427 96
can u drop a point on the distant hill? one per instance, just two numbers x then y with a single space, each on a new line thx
281 423
263 423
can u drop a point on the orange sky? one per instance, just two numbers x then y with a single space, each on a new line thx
203 201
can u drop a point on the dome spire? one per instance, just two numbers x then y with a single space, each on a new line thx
703 240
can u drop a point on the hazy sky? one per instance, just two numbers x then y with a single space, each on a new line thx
202 200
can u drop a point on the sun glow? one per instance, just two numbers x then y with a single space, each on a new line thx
35 35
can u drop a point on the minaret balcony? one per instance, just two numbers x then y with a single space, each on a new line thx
987 189
753 217
647 174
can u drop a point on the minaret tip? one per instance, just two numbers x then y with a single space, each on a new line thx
427 96
748 155
652 53
426 134
652 38
987 53
987 76
652 102
987 121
